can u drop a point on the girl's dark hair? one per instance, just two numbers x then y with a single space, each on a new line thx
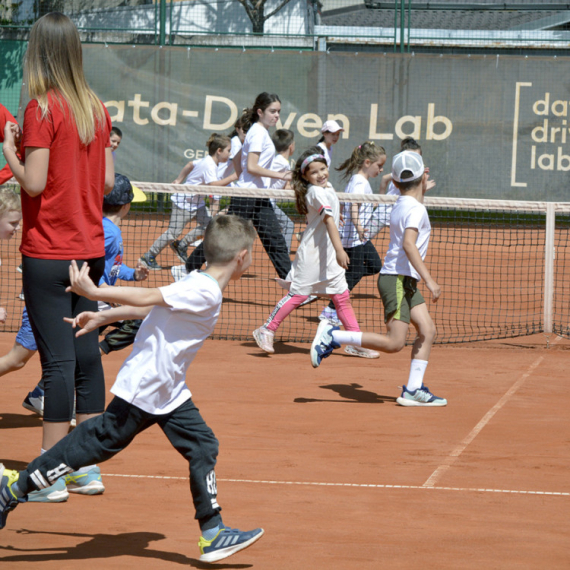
365 151
239 124
262 101
299 184
216 142
410 143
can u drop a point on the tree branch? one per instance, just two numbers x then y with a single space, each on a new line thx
282 5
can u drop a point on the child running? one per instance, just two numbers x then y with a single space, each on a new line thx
403 267
367 161
320 263
150 387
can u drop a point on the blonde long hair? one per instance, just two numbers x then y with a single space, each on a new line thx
54 63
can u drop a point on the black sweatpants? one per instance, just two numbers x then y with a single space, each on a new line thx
261 213
122 335
364 261
71 366
102 437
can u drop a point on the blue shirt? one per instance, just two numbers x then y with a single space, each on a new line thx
114 268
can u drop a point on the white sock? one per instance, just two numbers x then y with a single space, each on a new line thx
348 337
86 469
417 371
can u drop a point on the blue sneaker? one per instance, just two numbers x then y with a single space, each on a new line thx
8 499
56 493
227 542
34 401
420 397
89 483
323 344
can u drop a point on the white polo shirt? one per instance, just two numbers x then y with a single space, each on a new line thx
256 140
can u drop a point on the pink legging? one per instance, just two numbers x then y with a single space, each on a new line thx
291 301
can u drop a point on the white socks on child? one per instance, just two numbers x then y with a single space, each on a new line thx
417 371
348 337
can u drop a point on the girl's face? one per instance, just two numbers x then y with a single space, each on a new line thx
317 174
373 169
331 138
9 224
270 116
240 134
223 154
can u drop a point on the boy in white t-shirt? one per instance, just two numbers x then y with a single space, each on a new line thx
403 267
284 141
150 387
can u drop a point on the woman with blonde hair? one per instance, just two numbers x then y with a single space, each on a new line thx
67 168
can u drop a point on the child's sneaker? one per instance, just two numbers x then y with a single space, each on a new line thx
8 500
175 246
264 339
323 344
227 542
310 299
89 483
328 314
420 397
150 261
56 493
361 351
34 401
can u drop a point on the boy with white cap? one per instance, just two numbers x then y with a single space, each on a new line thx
331 133
402 269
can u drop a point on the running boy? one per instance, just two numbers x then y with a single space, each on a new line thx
150 387
403 267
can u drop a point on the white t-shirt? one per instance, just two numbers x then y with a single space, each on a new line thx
152 378
204 172
406 213
256 140
392 190
358 184
326 152
315 268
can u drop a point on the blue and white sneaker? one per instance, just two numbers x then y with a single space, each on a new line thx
56 493
323 343
89 483
227 542
8 499
34 401
420 397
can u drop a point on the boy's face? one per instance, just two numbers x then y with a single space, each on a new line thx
9 224
115 141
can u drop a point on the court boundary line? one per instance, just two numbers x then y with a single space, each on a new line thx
353 485
456 453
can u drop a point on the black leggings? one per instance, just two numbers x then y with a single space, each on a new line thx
70 365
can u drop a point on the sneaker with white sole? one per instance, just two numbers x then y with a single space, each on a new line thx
227 542
323 343
179 251
89 483
420 397
56 493
328 314
361 351
8 499
34 401
150 261
309 300
264 339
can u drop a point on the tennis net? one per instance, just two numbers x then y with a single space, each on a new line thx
488 256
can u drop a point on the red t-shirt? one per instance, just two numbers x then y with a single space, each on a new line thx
65 221
5 116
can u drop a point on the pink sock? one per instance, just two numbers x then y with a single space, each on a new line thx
287 305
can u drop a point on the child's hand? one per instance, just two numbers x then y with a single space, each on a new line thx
87 321
141 272
12 135
81 284
342 259
3 315
435 290
287 175
340 221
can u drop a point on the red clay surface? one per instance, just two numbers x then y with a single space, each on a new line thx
328 465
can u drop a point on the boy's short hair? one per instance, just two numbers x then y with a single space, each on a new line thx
116 131
282 139
9 201
123 193
227 235
407 170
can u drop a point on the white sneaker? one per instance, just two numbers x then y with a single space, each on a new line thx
361 351
311 299
178 272
328 314
264 339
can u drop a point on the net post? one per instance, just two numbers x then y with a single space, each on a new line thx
549 267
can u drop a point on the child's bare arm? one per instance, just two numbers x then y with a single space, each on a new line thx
341 255
88 320
413 254
384 181
355 217
184 173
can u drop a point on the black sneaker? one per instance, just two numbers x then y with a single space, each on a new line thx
150 261
175 246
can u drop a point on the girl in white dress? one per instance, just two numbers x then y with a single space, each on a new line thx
320 263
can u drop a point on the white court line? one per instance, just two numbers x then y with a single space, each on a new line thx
358 485
454 455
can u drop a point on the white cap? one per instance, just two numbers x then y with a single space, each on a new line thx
407 160
331 127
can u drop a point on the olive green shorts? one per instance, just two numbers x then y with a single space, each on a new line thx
399 295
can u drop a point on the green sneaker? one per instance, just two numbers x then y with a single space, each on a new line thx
8 499
56 493
89 483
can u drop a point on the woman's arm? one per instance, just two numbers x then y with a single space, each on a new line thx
254 168
341 255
